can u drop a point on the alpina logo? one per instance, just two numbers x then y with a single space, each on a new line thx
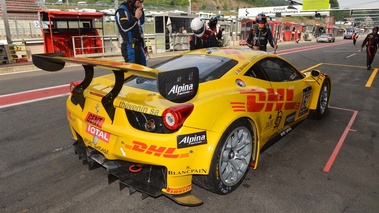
192 139
181 90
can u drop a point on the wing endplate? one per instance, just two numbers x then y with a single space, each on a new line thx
179 85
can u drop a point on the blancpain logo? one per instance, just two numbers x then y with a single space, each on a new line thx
192 140
181 90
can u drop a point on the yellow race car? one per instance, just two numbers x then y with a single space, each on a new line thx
202 117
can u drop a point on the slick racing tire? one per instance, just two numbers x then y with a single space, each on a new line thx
323 101
231 159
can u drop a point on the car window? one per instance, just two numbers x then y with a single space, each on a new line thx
278 70
256 71
210 68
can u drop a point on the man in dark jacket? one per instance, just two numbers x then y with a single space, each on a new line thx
130 18
371 41
215 29
260 35
201 37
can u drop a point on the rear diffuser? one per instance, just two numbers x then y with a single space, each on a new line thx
149 180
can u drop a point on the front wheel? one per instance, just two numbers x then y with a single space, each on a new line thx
231 159
323 101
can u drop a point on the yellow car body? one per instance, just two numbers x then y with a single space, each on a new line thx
238 103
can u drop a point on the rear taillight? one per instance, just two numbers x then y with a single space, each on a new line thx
74 84
174 117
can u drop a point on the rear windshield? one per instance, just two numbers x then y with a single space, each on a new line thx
210 68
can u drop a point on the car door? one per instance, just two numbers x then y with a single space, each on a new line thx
288 97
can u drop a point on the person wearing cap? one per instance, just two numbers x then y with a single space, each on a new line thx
129 19
260 35
201 37
371 42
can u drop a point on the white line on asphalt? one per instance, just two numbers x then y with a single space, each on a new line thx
350 55
35 90
31 101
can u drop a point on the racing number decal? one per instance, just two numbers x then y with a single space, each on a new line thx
305 102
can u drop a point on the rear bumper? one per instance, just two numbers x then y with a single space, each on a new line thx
149 180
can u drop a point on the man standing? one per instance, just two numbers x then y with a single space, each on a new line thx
261 35
355 37
201 38
130 18
215 29
371 41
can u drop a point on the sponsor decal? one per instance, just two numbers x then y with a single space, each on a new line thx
188 171
138 108
242 67
101 149
95 146
95 119
158 151
102 135
266 100
285 131
195 139
269 123
237 53
278 119
179 90
305 101
97 108
290 118
180 190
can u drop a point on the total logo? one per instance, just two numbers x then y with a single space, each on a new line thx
102 135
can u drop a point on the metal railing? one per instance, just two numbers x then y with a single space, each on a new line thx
88 46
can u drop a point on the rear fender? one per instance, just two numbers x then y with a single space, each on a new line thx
318 81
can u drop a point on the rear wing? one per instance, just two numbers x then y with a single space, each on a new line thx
178 86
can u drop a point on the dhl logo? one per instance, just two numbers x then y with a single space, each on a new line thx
158 151
258 100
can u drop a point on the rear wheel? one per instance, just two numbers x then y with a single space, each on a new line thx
323 100
231 159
